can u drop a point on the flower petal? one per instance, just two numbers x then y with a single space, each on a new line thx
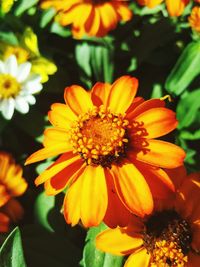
193 260
23 71
61 116
122 94
78 99
59 181
116 214
161 154
157 121
118 242
144 106
48 152
128 182
7 107
63 162
21 105
11 66
100 93
139 259
54 136
94 197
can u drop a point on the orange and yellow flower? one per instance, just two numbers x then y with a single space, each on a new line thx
169 237
106 138
12 185
90 17
194 19
174 8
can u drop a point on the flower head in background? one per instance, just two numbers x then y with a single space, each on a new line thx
168 237
194 19
12 185
27 50
6 5
90 17
106 142
174 8
17 87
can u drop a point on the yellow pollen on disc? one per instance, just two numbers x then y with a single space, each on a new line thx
9 86
99 134
167 254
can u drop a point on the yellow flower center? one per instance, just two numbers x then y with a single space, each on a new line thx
100 137
9 86
167 254
167 237
21 54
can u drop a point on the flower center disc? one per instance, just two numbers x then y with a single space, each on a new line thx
9 86
168 238
100 137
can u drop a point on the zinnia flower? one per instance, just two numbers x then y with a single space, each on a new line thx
194 19
106 138
91 17
12 185
175 8
27 50
17 87
169 237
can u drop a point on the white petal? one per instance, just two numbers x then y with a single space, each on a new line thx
30 99
32 87
2 68
23 71
21 105
11 66
7 108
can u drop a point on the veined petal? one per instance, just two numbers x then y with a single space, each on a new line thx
161 154
78 99
59 181
144 106
116 214
91 26
94 197
122 94
138 259
61 116
48 152
157 121
56 168
100 93
128 182
118 242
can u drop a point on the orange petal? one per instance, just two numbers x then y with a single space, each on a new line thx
58 182
117 241
100 93
123 11
94 196
161 154
92 24
54 136
4 223
55 169
177 175
78 99
159 182
144 106
122 94
48 152
136 102
5 196
116 214
61 116
157 121
139 259
108 16
128 182
193 260
176 8
14 210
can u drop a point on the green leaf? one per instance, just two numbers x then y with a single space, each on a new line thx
11 252
190 136
187 109
24 5
8 37
82 54
92 257
59 30
185 70
47 16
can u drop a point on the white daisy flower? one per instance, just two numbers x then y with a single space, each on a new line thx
17 87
